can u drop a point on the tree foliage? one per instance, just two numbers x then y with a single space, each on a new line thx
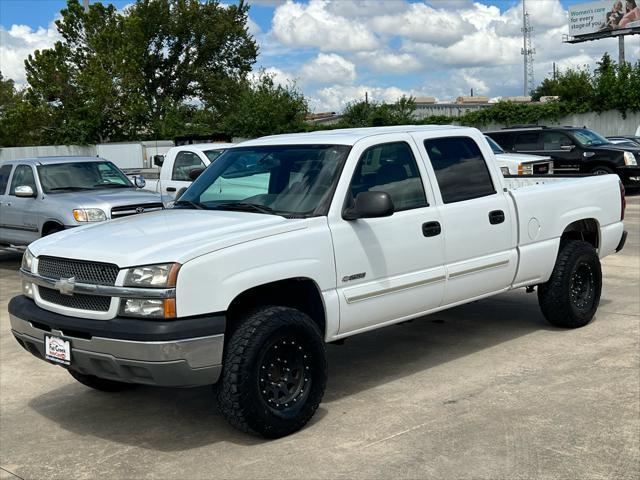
374 114
161 67
263 107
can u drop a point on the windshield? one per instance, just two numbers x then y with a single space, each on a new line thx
213 154
497 149
589 137
60 177
292 180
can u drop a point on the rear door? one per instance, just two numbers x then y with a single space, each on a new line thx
20 217
478 221
5 174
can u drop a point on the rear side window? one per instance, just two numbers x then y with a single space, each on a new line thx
185 162
5 171
23 176
527 141
460 168
390 168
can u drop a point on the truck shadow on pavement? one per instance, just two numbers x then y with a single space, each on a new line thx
170 420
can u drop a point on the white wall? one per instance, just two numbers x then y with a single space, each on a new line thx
14 153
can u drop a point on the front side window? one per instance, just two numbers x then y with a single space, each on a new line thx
288 180
555 141
213 154
5 171
390 168
527 141
589 138
66 177
23 176
460 168
184 163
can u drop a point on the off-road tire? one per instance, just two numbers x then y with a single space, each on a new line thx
241 396
102 384
557 296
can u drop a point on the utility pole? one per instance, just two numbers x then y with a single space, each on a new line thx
528 51
621 50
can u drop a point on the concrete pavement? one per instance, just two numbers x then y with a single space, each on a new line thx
486 390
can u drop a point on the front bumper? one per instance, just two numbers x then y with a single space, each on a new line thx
176 353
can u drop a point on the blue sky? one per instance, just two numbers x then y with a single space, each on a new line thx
336 50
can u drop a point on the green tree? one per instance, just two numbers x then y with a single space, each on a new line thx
124 75
263 107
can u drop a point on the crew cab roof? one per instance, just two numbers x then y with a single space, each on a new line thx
348 136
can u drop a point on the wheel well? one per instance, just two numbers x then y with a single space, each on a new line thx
586 230
300 293
50 225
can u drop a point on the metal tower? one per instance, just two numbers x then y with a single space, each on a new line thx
528 51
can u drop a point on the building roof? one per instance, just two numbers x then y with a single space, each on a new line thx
343 136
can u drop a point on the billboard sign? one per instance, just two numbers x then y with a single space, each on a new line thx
603 16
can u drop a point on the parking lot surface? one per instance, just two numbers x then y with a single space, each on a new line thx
486 390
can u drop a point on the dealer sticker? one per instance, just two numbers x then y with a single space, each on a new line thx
57 350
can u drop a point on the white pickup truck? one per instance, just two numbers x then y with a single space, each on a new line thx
333 234
180 166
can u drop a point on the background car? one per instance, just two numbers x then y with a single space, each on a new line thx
573 150
41 196
520 163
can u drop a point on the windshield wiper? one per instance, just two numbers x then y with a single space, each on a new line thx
111 185
69 188
196 205
244 206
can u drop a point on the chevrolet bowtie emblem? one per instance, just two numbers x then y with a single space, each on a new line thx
66 285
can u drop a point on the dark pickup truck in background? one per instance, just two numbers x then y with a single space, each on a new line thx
573 150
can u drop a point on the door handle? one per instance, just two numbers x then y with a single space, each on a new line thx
495 217
171 189
431 229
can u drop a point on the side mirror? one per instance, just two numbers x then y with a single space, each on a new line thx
180 193
195 173
370 205
158 160
139 181
25 191
567 148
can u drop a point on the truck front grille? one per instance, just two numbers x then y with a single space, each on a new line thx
126 210
84 272
77 301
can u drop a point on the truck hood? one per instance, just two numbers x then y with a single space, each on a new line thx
105 198
164 236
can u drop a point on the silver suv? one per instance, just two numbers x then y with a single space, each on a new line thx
41 196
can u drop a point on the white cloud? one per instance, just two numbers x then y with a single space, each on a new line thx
279 76
336 97
390 63
328 68
422 23
17 43
313 25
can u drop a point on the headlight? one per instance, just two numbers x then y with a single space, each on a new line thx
505 171
89 215
149 308
163 275
27 260
525 169
629 159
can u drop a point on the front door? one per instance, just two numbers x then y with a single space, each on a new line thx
5 174
478 222
387 268
20 215
184 162
566 155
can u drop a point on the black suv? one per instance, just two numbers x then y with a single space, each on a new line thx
573 150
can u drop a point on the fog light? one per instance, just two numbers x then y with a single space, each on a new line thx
149 308
27 288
